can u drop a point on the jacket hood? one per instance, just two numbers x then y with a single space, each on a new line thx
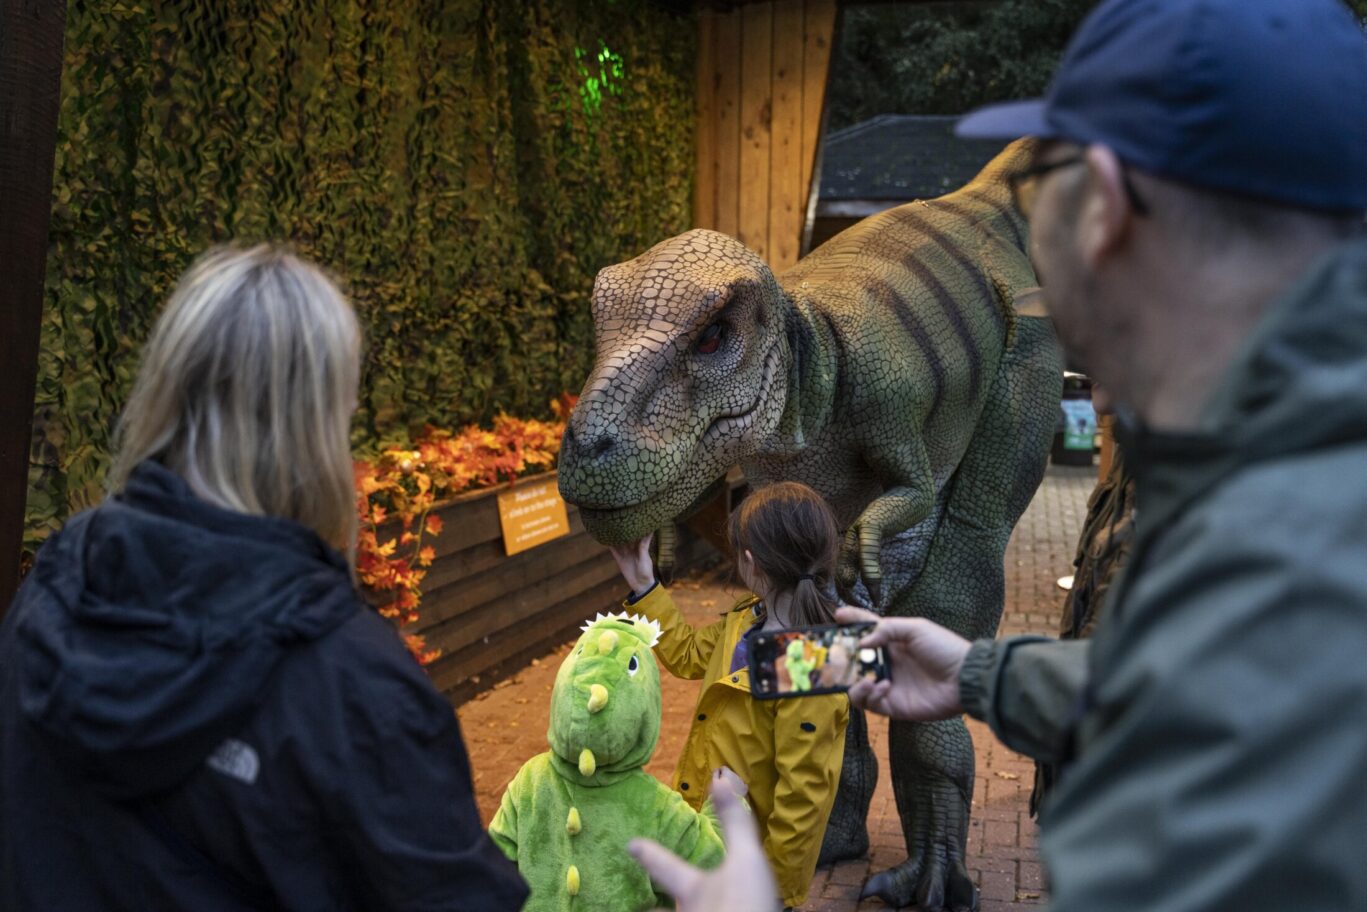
150 626
605 706
1298 384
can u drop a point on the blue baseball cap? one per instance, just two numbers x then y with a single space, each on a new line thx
1266 98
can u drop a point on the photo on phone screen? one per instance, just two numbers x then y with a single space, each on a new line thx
812 660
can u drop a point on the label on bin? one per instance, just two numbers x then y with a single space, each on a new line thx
1079 424
532 515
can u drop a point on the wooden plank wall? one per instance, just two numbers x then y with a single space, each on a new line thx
761 89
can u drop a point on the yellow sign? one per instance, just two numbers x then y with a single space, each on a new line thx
532 515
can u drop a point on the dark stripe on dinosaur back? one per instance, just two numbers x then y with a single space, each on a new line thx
927 277
1014 222
886 295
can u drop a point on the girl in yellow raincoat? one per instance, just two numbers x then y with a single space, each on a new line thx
787 751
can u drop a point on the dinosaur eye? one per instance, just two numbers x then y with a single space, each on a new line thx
634 665
710 340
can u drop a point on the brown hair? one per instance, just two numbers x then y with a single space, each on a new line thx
791 533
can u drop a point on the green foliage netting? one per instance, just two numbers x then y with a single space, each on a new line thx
466 166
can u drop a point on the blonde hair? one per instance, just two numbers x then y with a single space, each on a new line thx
246 391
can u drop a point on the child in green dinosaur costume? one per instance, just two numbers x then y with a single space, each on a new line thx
799 666
568 814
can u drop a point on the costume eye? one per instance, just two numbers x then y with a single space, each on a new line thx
580 651
710 340
634 665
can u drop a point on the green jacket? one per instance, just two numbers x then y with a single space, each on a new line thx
1214 730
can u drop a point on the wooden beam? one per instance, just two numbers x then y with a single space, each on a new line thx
820 33
726 37
756 116
30 92
705 144
787 201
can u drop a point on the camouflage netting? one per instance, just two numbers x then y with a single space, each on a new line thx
465 165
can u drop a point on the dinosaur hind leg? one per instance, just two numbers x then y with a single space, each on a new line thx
962 587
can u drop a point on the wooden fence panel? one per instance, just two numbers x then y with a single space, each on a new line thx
764 65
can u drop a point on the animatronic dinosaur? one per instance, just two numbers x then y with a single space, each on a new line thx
568 814
891 371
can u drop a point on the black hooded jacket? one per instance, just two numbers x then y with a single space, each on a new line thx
197 711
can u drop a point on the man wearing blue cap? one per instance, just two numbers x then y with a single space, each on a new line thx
1193 209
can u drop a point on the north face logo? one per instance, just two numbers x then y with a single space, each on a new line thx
236 759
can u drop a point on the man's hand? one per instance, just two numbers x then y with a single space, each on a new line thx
743 882
923 667
634 561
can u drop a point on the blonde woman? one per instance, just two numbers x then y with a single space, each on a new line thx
197 711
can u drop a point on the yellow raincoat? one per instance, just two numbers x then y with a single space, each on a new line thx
788 751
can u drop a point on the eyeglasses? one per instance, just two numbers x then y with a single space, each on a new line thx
1024 185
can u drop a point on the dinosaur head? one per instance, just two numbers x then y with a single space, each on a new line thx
605 706
690 378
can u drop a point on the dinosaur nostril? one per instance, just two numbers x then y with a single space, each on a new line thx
600 447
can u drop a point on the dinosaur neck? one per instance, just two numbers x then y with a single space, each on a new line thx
812 368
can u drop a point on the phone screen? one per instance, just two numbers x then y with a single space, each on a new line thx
807 661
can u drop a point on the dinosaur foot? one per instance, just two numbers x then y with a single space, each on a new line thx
937 883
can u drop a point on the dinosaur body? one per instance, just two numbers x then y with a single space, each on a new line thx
568 814
890 371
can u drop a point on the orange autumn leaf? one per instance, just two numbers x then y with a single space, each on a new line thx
427 555
434 525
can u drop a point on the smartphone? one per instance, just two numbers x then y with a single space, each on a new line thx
808 661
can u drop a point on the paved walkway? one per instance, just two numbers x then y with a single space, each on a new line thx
505 726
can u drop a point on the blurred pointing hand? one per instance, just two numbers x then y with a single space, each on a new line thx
743 882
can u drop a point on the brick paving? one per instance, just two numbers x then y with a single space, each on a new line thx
506 725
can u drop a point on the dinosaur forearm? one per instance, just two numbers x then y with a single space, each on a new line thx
894 511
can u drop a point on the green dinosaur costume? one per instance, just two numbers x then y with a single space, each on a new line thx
799 666
891 371
568 814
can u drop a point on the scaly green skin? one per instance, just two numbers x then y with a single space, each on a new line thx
890 371
567 816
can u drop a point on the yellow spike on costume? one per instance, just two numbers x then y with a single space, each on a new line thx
607 642
587 764
598 697
572 880
573 825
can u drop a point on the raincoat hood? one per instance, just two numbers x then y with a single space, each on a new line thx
158 621
1299 384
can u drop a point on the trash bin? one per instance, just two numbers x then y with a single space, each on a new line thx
1075 438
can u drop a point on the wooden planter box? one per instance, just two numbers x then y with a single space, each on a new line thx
491 614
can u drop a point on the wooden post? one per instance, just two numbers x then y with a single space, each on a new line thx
30 83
